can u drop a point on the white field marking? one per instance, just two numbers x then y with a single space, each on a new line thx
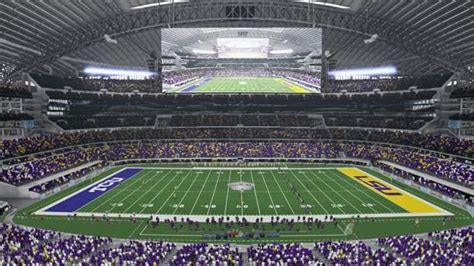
187 191
310 193
343 198
286 199
214 192
143 195
227 195
134 230
167 184
324 193
171 194
255 192
364 191
115 195
250 218
199 195
130 194
77 192
241 196
268 191
441 210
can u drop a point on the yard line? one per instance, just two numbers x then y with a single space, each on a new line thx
118 192
227 195
149 202
343 198
310 193
181 201
278 184
131 194
214 192
345 179
241 196
199 195
322 191
268 191
255 191
182 180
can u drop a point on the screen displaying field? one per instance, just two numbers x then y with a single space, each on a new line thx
241 60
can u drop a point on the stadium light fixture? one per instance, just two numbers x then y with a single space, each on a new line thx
376 71
159 4
320 3
285 51
117 72
200 51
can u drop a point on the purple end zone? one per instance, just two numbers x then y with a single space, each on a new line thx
92 192
195 85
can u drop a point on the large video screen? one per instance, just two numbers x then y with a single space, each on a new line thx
241 60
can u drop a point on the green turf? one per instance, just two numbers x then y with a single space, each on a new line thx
244 85
206 192
320 188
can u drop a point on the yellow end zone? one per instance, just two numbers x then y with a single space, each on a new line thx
402 198
292 86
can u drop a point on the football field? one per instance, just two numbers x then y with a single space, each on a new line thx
245 85
200 192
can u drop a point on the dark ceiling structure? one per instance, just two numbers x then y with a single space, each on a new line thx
419 37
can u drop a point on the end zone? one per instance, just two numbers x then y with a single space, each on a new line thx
82 197
405 200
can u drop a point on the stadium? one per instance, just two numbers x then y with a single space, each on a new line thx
212 132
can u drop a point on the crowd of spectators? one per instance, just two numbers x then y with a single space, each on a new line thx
65 179
23 146
24 246
443 168
133 253
207 254
25 172
417 179
281 254
419 251
463 238
32 170
355 253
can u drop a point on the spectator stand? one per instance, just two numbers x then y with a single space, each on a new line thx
463 203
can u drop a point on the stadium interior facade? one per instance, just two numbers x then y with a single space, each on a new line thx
211 132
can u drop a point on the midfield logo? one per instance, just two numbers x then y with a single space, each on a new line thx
106 184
